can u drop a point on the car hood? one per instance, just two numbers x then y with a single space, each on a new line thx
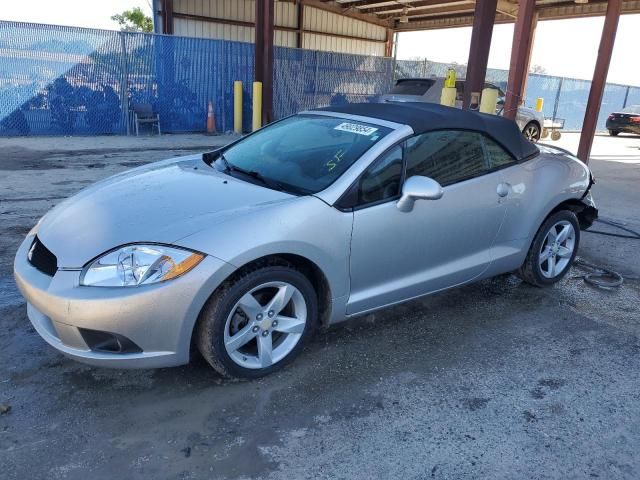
161 203
531 111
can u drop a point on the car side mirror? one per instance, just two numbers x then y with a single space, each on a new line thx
418 188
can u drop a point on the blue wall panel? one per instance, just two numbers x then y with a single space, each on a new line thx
74 81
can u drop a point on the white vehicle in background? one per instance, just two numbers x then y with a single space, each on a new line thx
530 121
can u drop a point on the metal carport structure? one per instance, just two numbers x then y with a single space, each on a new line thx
413 15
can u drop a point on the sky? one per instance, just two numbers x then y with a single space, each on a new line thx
562 47
76 13
565 48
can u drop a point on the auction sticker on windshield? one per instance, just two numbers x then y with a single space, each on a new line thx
356 128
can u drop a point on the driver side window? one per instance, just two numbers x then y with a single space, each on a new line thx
382 180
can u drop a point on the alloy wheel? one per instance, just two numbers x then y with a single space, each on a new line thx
265 325
557 249
531 133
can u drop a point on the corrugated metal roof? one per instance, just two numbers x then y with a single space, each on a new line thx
355 26
407 15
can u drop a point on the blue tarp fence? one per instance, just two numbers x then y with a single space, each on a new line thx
73 81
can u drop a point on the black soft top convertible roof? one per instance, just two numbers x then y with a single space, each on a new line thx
425 117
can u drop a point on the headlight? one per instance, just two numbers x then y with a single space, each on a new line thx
135 265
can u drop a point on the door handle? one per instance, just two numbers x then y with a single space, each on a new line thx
503 189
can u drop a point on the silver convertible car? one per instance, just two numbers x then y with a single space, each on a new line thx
243 252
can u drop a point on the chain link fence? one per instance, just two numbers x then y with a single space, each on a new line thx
305 79
564 98
74 81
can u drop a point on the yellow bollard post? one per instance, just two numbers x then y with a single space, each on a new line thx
450 80
539 104
237 107
257 105
489 100
448 96
449 93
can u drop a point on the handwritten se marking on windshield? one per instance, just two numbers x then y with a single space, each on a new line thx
337 158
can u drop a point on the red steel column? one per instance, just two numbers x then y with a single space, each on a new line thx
167 17
520 57
599 78
532 37
483 19
300 33
264 55
388 46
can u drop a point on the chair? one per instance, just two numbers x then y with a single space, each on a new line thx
143 113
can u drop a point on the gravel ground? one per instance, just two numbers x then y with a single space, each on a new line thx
493 380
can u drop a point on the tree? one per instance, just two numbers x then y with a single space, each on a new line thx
538 69
134 20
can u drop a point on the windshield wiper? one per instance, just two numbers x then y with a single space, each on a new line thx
267 182
229 168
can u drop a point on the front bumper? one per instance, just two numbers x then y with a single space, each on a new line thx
159 318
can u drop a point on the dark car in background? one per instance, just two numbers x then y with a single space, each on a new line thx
627 120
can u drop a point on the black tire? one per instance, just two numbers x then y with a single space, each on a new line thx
614 133
531 270
211 324
532 132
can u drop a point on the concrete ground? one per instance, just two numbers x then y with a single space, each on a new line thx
494 380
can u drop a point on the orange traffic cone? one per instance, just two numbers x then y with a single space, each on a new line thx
211 120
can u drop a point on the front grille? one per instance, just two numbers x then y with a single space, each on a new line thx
42 258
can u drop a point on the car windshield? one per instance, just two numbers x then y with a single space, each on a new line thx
302 154
632 109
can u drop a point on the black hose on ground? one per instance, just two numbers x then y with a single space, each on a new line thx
634 235
596 278
599 275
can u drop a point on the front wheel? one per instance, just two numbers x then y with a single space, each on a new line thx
553 250
258 323
614 133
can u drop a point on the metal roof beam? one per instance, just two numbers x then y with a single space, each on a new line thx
339 8
563 10
462 5
572 10
414 5
509 9
360 3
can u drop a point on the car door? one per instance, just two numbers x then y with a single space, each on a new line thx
398 255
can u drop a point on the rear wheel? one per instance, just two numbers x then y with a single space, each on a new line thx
553 250
532 131
259 323
614 133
